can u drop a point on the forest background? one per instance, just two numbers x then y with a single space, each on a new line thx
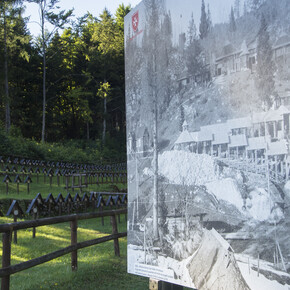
62 93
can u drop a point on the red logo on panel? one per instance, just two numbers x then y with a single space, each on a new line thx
135 21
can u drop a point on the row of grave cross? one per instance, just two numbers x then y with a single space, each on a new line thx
49 171
17 180
99 178
58 172
60 204
50 206
118 167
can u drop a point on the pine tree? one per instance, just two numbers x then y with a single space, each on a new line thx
237 8
233 26
245 8
209 21
193 50
191 32
9 13
203 26
156 78
57 20
265 65
255 5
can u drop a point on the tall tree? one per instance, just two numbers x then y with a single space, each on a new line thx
109 41
7 12
156 39
203 26
265 65
104 92
255 5
193 50
232 24
191 32
245 8
58 21
121 12
209 20
237 7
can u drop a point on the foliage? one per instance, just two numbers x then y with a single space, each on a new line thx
80 151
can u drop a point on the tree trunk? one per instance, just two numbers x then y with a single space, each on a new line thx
155 170
44 74
104 122
155 153
88 131
7 100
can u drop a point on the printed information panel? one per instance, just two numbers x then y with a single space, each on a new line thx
208 128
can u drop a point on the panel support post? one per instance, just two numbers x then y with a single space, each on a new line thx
74 240
115 231
6 258
15 232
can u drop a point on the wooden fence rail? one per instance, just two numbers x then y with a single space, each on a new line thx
7 229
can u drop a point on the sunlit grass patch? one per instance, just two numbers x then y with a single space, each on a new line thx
98 268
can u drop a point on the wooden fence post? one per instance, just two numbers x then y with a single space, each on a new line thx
6 258
115 231
15 232
74 240
35 210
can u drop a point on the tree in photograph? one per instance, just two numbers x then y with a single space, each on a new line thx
155 78
163 213
58 21
193 50
203 26
265 65
255 5
209 20
191 32
245 8
237 8
232 25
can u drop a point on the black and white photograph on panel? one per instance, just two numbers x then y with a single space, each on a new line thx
208 129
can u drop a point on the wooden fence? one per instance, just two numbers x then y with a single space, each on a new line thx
7 229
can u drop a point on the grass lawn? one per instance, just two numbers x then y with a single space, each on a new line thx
98 268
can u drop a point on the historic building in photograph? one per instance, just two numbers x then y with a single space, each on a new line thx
249 139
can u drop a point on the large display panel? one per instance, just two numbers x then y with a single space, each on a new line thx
208 127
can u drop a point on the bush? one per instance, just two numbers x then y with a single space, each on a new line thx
78 151
4 143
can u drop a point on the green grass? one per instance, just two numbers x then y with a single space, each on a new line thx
98 268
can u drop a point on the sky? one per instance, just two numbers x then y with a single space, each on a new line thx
81 7
220 10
